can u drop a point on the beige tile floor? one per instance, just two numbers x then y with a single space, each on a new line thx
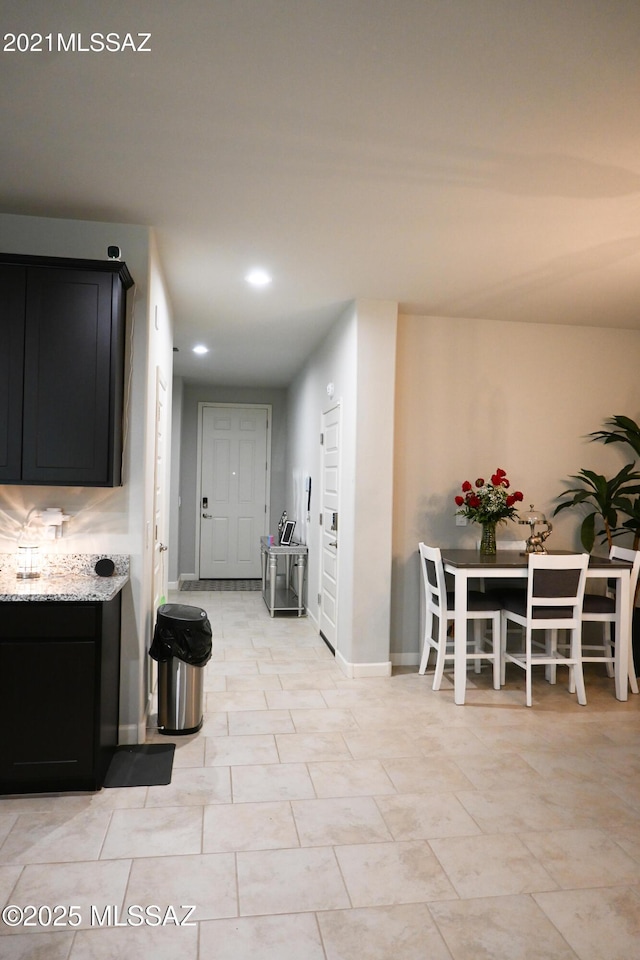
320 818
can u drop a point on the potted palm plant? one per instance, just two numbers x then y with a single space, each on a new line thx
610 498
625 430
604 499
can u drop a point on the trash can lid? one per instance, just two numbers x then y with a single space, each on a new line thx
181 611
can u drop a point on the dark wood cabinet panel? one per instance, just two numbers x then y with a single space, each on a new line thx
70 320
47 691
67 377
59 694
12 299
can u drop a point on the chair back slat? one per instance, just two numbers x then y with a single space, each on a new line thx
433 578
556 585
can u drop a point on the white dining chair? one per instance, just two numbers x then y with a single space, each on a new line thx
598 608
555 591
439 611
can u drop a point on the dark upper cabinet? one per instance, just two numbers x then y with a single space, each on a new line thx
12 301
62 333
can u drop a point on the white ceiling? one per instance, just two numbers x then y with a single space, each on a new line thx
466 158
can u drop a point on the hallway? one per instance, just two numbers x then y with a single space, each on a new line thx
320 818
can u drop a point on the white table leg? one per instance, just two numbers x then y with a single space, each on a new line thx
623 636
460 637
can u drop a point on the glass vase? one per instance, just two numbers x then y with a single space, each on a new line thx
488 541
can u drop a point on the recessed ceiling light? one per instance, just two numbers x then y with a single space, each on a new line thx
200 348
258 277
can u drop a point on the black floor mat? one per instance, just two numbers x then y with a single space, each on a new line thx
221 585
141 765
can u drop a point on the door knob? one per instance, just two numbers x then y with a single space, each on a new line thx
162 547
334 543
207 516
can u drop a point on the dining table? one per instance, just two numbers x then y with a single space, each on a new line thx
465 565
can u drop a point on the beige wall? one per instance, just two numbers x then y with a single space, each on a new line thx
474 395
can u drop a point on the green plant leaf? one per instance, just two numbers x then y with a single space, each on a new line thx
588 532
594 477
625 430
626 423
579 498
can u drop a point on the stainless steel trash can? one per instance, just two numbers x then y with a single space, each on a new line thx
182 645
180 697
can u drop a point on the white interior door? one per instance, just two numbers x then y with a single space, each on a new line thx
329 531
233 490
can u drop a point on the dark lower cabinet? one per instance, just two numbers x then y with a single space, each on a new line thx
59 694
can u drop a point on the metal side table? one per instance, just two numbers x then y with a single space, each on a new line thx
277 590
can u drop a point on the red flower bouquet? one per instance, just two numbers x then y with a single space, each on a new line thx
488 502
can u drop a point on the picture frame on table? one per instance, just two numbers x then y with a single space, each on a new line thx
287 533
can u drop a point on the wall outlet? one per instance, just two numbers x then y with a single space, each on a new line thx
461 521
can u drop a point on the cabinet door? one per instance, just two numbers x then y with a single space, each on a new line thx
67 433
47 711
12 293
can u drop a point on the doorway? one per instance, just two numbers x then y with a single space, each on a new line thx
233 497
329 519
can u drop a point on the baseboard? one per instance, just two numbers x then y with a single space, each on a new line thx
173 585
405 659
131 733
187 576
356 671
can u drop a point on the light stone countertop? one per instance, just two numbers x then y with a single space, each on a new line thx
64 578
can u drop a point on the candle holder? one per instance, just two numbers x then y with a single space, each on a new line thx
29 563
535 541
